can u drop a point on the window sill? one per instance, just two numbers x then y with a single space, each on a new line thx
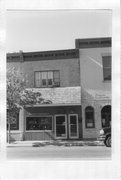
90 128
48 87
38 131
14 131
106 81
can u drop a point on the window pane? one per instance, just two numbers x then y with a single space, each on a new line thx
106 116
44 75
60 126
73 119
44 78
39 123
107 74
32 123
73 126
45 123
89 117
107 67
56 74
47 79
56 78
50 78
38 79
106 61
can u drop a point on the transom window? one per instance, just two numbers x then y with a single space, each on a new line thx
106 67
47 79
39 123
89 117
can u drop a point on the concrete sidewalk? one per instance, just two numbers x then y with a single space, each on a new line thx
54 143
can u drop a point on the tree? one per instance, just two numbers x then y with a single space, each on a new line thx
18 96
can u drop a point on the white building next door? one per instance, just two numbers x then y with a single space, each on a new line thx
60 126
73 126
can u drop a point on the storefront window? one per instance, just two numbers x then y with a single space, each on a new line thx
39 123
89 117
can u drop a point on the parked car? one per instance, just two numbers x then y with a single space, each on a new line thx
105 136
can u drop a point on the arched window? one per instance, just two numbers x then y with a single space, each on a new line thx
106 116
89 117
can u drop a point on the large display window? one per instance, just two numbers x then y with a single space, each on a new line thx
39 123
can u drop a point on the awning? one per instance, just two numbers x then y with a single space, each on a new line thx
96 94
61 95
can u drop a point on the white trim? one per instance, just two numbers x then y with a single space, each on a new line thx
39 130
73 137
65 126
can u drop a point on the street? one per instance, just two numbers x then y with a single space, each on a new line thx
58 153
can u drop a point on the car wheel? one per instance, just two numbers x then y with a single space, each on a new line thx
108 141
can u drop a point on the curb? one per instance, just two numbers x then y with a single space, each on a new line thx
45 144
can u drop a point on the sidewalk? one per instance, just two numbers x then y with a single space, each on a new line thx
54 143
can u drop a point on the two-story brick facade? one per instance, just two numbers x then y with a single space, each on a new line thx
76 81
56 74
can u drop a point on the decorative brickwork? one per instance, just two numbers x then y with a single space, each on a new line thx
43 55
93 43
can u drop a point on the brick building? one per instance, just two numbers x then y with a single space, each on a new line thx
76 81
56 74
95 77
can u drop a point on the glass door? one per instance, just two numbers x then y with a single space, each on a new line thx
73 126
60 127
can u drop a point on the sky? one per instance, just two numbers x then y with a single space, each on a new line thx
38 30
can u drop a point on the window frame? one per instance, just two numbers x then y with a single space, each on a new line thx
66 124
47 86
106 68
48 79
43 86
86 120
38 130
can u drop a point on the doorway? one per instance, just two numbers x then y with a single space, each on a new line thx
73 126
60 126
106 116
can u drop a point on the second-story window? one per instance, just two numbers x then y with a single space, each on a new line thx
106 68
47 79
44 79
50 78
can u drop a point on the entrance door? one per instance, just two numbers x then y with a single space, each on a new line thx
60 127
73 126
106 116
